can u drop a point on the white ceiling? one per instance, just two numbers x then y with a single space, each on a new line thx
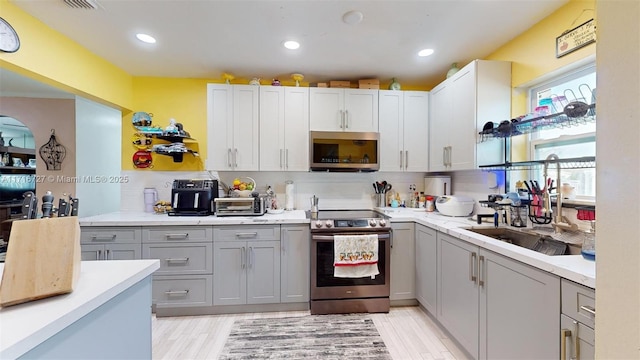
204 38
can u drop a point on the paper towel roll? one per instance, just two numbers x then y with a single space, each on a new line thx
289 195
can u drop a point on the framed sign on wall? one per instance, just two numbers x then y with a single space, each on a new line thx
576 38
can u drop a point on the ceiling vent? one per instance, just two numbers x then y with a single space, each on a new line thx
82 4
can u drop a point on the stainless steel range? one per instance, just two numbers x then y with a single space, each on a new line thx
338 295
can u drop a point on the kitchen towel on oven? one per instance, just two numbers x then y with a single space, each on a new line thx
355 256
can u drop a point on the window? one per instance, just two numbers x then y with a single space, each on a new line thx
569 142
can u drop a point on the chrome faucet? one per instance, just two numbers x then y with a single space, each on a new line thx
561 222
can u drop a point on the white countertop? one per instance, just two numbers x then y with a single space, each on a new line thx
572 267
150 219
25 326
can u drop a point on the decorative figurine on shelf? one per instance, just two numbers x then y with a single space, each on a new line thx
454 69
395 85
275 82
172 128
297 78
227 78
181 130
1 139
255 81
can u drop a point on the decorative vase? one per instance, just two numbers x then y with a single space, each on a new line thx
454 69
395 85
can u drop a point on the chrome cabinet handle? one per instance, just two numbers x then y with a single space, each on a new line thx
481 271
346 119
235 157
564 333
449 154
109 255
177 292
242 257
341 119
444 156
588 309
406 161
281 159
229 157
250 257
247 234
99 255
472 267
103 237
184 260
286 158
401 158
179 236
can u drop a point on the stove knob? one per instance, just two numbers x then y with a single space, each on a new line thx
372 223
328 223
382 222
318 224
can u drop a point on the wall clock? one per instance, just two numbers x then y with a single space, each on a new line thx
9 40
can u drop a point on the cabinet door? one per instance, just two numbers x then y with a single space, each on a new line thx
122 251
403 262
229 272
519 308
458 290
296 129
439 127
416 131
463 126
584 347
361 110
90 252
272 128
391 105
295 264
426 268
263 272
219 127
246 128
326 109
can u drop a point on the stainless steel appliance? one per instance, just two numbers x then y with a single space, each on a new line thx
251 206
344 151
332 295
193 197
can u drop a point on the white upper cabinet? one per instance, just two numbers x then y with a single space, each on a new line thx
284 128
460 106
404 124
336 109
232 127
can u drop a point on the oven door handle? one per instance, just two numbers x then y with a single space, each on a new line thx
330 237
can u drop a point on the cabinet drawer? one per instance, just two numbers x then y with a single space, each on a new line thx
102 235
578 301
176 233
184 258
182 291
246 233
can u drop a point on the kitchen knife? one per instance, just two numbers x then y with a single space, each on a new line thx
375 188
29 205
63 207
75 202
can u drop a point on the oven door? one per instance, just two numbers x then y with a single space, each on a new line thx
324 286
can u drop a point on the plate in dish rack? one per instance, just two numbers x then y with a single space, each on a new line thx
275 211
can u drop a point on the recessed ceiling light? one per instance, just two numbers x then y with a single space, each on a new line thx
425 52
291 45
146 38
352 17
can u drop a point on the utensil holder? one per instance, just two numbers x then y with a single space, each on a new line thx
381 200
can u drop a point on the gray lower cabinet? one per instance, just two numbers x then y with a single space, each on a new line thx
496 308
577 322
295 263
403 261
110 243
246 265
426 268
185 277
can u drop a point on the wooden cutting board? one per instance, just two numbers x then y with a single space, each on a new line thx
43 260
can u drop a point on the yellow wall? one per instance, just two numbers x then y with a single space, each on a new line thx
50 57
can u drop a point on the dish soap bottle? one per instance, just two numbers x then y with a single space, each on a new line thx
589 243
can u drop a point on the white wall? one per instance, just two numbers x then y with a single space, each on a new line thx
618 188
98 149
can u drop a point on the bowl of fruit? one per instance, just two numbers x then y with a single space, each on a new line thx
243 187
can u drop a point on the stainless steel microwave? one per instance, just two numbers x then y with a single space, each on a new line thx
344 151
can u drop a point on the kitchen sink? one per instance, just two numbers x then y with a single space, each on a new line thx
541 243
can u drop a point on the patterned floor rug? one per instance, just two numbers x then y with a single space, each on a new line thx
351 336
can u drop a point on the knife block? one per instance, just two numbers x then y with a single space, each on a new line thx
42 260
